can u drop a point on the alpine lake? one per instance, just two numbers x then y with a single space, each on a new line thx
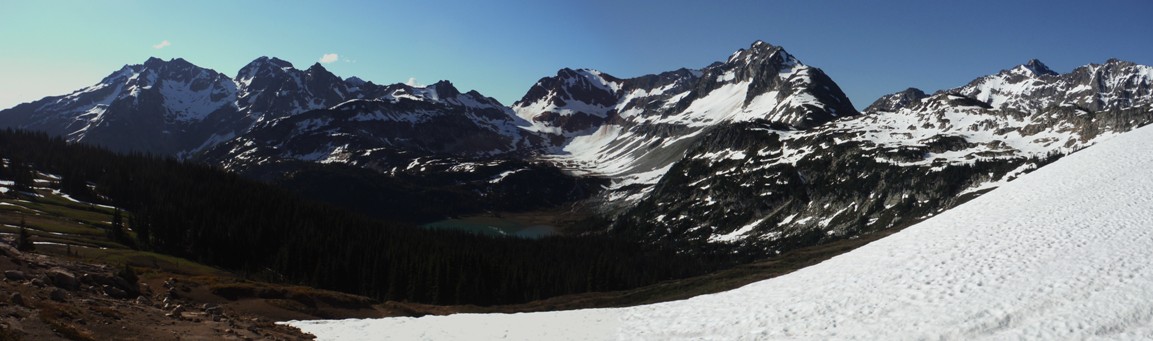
494 226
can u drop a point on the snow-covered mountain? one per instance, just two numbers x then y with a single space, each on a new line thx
1061 253
398 125
272 88
628 130
1033 86
759 152
160 106
908 157
176 108
633 130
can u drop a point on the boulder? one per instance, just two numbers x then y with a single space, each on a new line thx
123 284
62 279
176 312
116 282
14 275
17 299
9 251
213 310
114 292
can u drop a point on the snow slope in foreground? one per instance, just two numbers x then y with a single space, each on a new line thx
1061 253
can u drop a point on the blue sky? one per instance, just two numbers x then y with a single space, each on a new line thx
501 48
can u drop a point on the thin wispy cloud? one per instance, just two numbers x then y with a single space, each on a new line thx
329 58
162 44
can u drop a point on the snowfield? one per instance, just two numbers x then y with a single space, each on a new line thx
1061 253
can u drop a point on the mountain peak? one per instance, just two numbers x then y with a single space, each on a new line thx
896 100
316 67
153 61
280 62
567 72
760 51
272 61
263 65
354 80
760 44
1037 68
1118 62
445 89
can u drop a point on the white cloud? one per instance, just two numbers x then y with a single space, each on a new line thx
162 44
411 81
329 58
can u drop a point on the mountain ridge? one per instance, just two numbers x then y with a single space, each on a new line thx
908 157
759 151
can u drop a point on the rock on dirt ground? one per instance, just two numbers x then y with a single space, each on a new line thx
55 298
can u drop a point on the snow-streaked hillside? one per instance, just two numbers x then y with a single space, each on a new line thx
908 156
1061 253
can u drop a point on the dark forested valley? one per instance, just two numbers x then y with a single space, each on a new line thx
268 233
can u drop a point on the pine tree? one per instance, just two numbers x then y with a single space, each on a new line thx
143 232
116 232
24 241
23 178
74 184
